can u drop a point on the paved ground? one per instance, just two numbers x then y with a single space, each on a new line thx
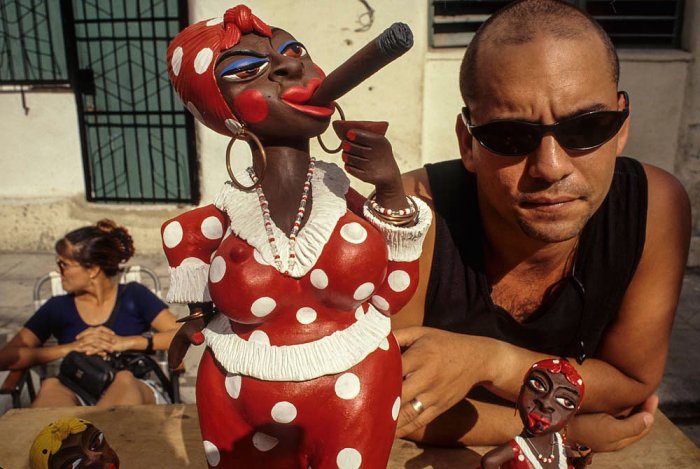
679 390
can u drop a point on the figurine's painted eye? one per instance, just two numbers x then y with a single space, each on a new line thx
97 442
537 385
245 69
566 403
293 49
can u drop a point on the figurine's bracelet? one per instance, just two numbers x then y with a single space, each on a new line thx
400 217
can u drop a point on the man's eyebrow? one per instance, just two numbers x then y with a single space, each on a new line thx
584 110
247 52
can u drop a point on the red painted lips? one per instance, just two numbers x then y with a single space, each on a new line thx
537 423
296 96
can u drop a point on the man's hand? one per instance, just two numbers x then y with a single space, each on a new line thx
439 370
603 432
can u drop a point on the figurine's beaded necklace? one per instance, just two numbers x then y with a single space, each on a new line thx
544 459
267 220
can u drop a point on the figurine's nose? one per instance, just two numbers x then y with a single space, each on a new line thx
286 67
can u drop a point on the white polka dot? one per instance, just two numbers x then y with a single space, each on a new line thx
228 233
217 269
319 279
359 313
353 233
348 458
283 412
194 111
535 365
259 337
263 306
399 280
384 344
234 126
192 262
233 385
347 386
203 60
211 228
215 21
172 234
521 457
259 258
380 303
395 408
212 453
306 315
556 362
176 61
579 381
363 291
264 442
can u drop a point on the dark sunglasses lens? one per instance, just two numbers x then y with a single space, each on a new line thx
508 138
590 130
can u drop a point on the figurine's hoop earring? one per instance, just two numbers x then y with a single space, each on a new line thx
245 134
320 142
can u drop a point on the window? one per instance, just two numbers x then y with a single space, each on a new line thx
630 23
31 43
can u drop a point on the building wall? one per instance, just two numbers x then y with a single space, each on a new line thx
41 174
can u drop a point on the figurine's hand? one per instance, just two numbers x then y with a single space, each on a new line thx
369 157
438 368
603 432
189 333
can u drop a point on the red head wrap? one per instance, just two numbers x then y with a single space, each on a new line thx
191 58
562 365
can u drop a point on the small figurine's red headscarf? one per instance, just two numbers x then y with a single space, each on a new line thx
191 59
562 365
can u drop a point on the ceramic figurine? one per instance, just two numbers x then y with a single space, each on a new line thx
293 272
71 443
551 394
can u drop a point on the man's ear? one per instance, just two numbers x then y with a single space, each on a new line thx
624 132
464 138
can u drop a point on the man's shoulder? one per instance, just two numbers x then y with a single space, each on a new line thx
418 181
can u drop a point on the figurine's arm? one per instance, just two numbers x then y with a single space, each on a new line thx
497 456
189 241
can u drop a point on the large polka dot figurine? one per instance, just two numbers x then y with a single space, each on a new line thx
300 367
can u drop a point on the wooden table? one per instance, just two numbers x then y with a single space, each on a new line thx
167 436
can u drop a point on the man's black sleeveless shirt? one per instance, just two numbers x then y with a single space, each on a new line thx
570 324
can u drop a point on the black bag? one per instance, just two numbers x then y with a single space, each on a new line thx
86 375
89 375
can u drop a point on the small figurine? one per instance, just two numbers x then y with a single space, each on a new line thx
293 272
551 394
71 443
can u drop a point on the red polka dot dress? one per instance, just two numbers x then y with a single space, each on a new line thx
524 458
301 369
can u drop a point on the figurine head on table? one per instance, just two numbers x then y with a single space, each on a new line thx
71 443
551 394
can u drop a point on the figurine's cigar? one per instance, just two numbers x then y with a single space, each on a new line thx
386 47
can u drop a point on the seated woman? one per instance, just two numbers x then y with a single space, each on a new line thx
89 259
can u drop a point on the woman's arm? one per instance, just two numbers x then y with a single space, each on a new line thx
25 350
165 325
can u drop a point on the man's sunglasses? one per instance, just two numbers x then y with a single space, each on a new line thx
582 132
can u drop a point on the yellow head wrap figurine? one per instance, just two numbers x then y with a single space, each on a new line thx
71 441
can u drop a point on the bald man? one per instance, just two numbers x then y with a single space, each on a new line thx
546 241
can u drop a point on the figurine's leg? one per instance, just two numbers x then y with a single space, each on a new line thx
357 422
230 439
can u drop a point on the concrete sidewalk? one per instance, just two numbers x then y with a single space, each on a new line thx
679 390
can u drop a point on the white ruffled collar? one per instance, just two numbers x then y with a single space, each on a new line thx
329 184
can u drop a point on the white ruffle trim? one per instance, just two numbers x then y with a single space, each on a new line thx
330 355
189 284
529 455
329 184
404 243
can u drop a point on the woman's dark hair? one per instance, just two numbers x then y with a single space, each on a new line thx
104 244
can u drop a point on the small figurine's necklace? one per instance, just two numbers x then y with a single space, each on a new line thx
544 459
267 220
